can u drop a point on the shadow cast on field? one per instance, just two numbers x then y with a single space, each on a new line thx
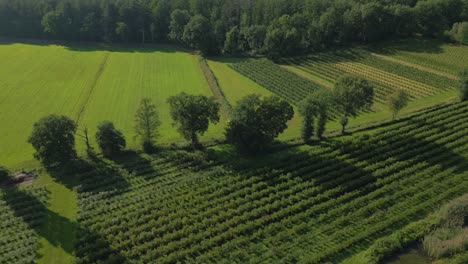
72 238
98 46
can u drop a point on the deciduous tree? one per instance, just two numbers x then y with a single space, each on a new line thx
147 124
110 140
257 121
53 138
397 101
192 115
352 94
463 85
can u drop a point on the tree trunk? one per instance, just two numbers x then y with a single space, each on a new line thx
194 139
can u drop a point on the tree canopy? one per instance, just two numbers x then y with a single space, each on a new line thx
275 27
463 85
352 94
257 121
192 115
53 138
110 140
147 124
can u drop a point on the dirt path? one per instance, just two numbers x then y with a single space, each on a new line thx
215 87
92 86
419 67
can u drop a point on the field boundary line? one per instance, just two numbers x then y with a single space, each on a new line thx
91 88
214 86
419 67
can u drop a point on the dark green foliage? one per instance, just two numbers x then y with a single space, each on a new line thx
256 122
192 115
315 106
53 138
463 85
198 35
110 140
397 101
4 174
147 124
179 19
352 94
282 27
231 45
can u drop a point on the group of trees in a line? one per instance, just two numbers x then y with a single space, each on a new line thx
254 124
273 27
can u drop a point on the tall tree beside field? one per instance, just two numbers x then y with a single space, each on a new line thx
192 115
147 124
256 122
110 140
463 85
352 94
316 107
397 101
123 31
53 138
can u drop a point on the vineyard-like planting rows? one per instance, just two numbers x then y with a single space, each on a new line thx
279 81
431 54
384 74
21 214
299 205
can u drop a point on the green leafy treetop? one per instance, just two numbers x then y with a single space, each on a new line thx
257 121
192 115
147 124
53 138
110 140
352 95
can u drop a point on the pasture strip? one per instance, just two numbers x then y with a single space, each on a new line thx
92 86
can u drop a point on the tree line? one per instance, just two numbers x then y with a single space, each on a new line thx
254 124
272 27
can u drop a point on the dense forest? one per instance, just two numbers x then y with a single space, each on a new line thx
274 27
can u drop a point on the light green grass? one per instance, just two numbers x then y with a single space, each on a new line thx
60 227
91 84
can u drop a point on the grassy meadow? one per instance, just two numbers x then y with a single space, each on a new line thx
89 84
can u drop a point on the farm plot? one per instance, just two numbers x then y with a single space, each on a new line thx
385 75
38 81
313 204
21 214
131 76
439 56
279 81
90 85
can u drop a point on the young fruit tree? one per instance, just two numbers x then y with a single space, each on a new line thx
110 140
352 94
256 122
315 106
147 124
397 101
53 138
192 115
463 85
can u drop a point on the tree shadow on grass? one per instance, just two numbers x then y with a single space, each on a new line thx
56 229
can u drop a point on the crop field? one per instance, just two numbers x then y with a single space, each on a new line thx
90 85
277 80
387 75
21 214
308 204
449 59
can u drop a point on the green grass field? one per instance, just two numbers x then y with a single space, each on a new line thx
89 84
